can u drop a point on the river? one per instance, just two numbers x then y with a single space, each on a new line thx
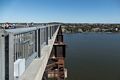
93 56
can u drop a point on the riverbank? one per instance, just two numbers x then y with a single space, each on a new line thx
79 28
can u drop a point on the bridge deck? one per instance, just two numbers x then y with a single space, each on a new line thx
36 68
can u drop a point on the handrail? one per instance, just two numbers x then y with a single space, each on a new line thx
28 29
20 30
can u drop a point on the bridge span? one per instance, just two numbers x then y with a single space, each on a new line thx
33 53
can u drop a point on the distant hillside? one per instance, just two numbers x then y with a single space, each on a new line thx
73 28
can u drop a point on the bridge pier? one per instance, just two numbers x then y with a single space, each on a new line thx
56 66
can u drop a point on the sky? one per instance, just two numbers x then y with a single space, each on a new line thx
67 11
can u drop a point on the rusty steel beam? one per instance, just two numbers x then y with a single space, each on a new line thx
56 64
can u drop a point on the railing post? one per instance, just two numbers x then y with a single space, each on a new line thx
10 38
8 53
50 33
2 56
39 44
46 35
52 30
36 41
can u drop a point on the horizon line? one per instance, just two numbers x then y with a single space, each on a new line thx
68 22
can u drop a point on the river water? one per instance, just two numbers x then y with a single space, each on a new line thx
93 56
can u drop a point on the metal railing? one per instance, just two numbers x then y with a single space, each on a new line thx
23 43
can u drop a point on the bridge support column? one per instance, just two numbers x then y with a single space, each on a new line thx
56 65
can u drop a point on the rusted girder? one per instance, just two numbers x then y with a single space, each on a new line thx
56 64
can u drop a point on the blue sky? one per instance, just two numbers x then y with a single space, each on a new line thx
75 11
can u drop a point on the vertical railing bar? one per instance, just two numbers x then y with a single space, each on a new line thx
52 30
15 48
36 41
39 44
2 55
50 33
46 35
11 54
7 57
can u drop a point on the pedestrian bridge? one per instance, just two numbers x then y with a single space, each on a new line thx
33 53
